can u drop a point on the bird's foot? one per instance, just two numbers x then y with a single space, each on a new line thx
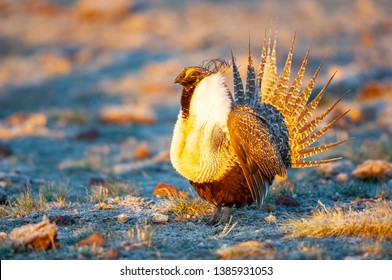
215 216
221 216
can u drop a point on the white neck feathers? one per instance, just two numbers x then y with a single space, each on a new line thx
210 101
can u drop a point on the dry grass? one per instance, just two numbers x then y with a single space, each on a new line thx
28 202
183 206
55 193
3 211
25 204
140 236
226 230
372 222
102 193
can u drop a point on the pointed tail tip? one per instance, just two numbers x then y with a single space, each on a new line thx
232 56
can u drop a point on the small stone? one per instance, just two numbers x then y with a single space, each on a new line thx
38 181
270 218
249 250
163 189
22 124
342 177
287 200
96 181
30 120
4 150
88 135
355 114
373 90
373 169
268 207
128 114
94 239
40 236
158 218
333 168
122 218
190 225
63 220
102 9
142 151
104 206
112 254
3 236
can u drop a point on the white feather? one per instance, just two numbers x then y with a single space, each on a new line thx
210 102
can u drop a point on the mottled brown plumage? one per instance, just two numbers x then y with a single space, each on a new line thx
232 147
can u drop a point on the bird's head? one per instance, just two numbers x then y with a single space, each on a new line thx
191 76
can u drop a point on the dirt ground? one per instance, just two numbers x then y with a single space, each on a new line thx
88 106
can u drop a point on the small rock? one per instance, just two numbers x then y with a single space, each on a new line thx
104 206
373 169
30 120
142 151
63 220
267 207
4 150
287 200
88 135
373 90
40 236
3 235
190 225
112 254
333 168
94 239
270 218
38 181
355 114
128 114
163 189
102 9
22 124
122 218
342 177
158 218
96 181
249 250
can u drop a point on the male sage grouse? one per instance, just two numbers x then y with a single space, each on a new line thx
230 148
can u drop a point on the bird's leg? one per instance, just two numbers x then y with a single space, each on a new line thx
216 215
225 216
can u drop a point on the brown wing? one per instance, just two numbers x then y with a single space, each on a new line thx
255 149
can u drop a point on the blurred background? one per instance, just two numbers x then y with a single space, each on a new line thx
86 86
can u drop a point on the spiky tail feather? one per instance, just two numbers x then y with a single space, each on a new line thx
290 100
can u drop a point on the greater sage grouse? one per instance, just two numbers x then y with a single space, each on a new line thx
231 148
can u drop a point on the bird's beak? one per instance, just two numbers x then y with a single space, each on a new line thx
178 80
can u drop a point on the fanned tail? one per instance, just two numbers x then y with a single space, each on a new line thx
289 99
